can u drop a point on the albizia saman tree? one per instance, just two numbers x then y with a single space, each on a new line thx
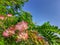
17 27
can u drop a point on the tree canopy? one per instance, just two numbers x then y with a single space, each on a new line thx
18 28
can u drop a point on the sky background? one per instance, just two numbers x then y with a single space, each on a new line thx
44 10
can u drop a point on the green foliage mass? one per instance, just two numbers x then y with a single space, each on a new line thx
13 4
49 32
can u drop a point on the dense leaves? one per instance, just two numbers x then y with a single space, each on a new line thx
11 6
50 33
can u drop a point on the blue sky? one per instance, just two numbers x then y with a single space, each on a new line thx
44 10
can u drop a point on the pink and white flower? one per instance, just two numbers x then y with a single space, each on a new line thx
11 32
5 33
2 17
21 26
9 15
8 33
22 36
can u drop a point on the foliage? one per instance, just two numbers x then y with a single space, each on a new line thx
11 6
50 33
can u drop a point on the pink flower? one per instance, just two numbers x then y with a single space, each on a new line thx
22 36
11 32
8 33
9 15
21 26
5 34
25 25
2 17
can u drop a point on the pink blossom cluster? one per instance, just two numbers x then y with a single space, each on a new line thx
3 17
21 27
9 15
9 32
22 36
